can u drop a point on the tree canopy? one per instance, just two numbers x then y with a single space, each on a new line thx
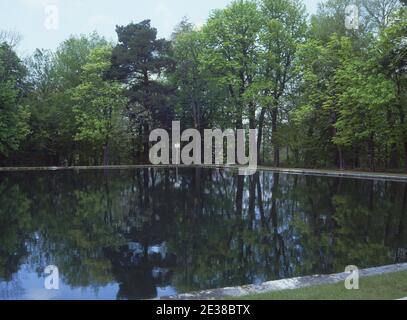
319 94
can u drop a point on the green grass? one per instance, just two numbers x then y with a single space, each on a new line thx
384 287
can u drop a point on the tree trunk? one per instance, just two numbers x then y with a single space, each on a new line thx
393 161
260 135
146 143
56 159
146 126
372 153
402 122
357 162
341 162
274 117
405 154
106 153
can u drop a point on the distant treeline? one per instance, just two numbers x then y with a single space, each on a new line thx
319 93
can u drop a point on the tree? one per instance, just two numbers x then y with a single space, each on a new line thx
347 106
12 38
70 58
330 19
364 107
13 116
198 95
231 56
52 75
284 28
316 66
139 61
381 12
346 102
98 103
318 93
392 49
39 146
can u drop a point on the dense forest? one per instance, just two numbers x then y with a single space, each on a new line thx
320 95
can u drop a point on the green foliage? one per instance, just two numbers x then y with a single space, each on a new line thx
320 95
365 97
52 78
13 116
140 62
198 97
348 100
98 102
231 55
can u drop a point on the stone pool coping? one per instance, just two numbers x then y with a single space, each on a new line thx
285 284
399 177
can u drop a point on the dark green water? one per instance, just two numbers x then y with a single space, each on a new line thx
137 234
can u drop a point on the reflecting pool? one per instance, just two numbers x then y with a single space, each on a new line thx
147 233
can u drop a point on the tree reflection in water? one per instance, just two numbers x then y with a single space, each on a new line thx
143 231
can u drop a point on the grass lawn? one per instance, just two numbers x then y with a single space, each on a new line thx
384 287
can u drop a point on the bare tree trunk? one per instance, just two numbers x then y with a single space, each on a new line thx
372 153
106 152
341 162
274 117
393 161
56 159
260 135
356 163
146 143
405 154
106 155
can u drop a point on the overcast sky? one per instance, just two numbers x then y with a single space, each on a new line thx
30 17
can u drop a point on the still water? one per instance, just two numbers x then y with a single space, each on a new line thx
146 233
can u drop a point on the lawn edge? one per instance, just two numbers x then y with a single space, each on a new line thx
285 284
